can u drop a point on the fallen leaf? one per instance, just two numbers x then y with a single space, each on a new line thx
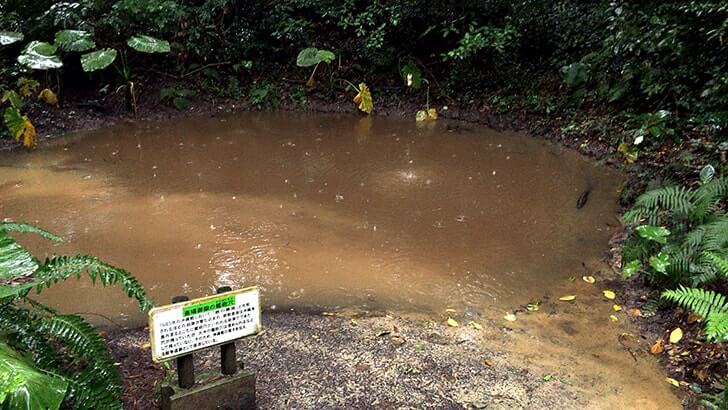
49 97
478 326
616 307
672 381
547 377
588 279
609 294
382 333
567 298
450 310
510 317
146 346
533 305
692 318
634 312
328 314
613 318
354 322
452 322
364 99
487 363
658 346
676 335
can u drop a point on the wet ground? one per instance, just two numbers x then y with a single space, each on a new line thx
336 213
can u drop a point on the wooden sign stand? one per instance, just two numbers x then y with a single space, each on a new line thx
229 389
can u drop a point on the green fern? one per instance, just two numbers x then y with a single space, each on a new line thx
64 267
64 345
716 326
97 384
720 264
701 301
711 305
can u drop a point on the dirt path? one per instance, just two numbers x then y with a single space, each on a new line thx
565 356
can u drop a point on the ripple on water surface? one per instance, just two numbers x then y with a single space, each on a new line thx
320 211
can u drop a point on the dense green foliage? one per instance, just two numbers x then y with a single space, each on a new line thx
46 358
682 238
663 63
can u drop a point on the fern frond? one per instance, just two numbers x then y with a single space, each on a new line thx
716 326
19 327
23 227
720 264
63 267
700 301
674 199
96 385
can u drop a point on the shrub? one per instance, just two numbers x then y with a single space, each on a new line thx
49 359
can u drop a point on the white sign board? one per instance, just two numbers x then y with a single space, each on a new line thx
181 328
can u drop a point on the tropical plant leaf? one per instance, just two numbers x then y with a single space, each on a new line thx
98 60
631 268
24 386
49 97
40 55
312 56
10 37
412 75
13 98
15 260
657 234
660 262
148 44
20 126
74 40
26 86
364 99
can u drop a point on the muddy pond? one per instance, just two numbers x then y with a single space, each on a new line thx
320 211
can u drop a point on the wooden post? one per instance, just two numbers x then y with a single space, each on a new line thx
227 350
185 364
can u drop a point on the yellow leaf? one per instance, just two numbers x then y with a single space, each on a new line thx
48 97
26 132
452 322
613 318
510 317
146 346
426 115
676 335
609 294
450 310
364 99
354 322
672 381
567 298
588 279
478 326
616 307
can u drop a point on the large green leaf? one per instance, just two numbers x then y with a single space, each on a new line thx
40 55
660 262
74 40
658 234
24 386
13 120
98 60
15 260
312 56
148 44
10 37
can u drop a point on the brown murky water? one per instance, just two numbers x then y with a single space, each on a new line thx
319 211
